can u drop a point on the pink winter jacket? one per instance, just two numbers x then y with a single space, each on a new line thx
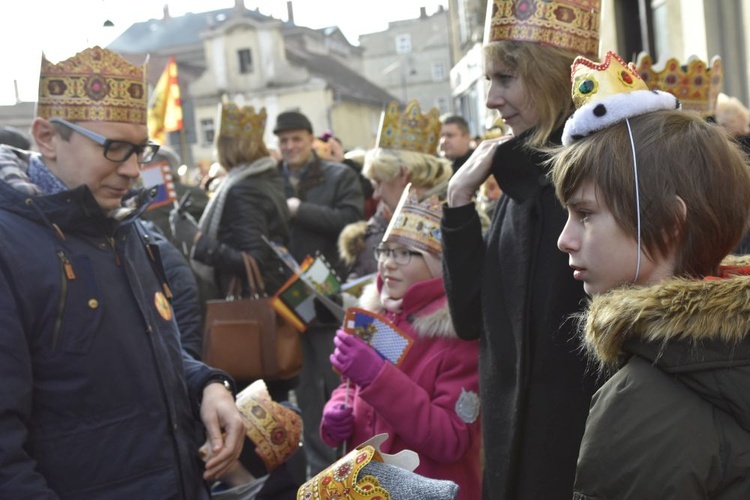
430 403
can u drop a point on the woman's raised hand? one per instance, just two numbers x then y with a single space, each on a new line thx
464 183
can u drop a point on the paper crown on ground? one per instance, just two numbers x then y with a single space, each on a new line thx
345 478
566 24
416 224
274 428
409 129
608 92
94 85
696 84
235 121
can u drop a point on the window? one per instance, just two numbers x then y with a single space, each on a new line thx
442 104
207 128
403 44
246 61
438 72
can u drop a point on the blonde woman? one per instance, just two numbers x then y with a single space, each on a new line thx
390 170
513 289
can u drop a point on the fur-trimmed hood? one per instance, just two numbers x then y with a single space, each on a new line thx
424 301
676 323
353 238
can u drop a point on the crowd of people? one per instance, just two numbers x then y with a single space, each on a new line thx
558 311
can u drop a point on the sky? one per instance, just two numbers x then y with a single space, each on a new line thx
61 28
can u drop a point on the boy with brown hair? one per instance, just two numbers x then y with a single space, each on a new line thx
656 198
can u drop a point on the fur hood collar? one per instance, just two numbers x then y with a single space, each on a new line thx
425 302
675 312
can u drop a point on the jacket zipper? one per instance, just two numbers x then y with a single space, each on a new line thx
111 240
66 274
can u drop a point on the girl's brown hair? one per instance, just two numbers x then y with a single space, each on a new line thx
545 74
234 151
678 154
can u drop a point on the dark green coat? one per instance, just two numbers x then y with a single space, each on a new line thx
674 421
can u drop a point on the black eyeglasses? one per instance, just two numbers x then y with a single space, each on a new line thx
116 151
401 256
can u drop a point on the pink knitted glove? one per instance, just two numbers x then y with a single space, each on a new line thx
354 359
337 424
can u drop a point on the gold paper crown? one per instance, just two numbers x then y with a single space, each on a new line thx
93 85
241 122
410 130
341 480
274 429
595 81
567 24
695 84
416 224
607 93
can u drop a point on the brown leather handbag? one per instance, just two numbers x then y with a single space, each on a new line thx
246 338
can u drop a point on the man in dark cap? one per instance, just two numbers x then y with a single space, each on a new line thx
323 197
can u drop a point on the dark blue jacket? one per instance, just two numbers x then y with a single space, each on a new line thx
98 399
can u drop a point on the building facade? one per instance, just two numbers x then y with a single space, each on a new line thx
412 59
663 28
257 60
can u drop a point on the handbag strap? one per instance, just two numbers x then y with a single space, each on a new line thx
260 287
269 344
234 291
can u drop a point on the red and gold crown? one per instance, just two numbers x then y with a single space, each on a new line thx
341 480
607 93
94 85
241 122
273 428
416 224
696 84
409 129
567 24
594 81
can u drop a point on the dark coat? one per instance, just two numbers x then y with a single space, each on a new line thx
331 197
674 422
456 163
255 206
514 292
185 297
98 398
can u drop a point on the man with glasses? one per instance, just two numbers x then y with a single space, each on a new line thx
99 400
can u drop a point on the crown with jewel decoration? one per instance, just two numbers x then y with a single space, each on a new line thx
567 24
94 85
696 84
241 122
609 92
409 129
416 224
354 475
273 428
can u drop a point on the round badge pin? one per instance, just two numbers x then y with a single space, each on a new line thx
162 305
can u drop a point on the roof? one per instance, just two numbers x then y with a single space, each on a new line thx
347 85
160 34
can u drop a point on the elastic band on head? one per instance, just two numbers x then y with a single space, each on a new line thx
637 200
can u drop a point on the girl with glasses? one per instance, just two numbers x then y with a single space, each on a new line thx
428 401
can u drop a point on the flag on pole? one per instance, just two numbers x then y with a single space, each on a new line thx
165 108
158 175
379 332
294 301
